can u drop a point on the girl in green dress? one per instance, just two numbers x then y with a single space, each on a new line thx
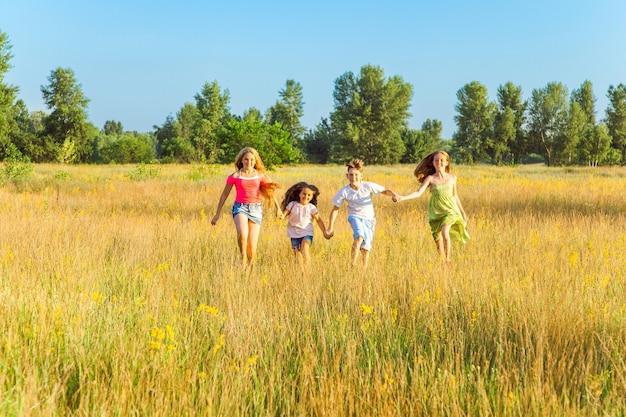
445 212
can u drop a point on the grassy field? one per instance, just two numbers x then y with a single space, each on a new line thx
118 297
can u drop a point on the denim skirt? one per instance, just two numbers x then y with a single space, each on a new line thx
253 211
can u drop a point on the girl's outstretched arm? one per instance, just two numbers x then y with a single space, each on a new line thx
320 223
220 204
331 220
414 194
279 213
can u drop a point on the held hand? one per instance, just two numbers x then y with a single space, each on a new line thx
280 214
328 235
396 198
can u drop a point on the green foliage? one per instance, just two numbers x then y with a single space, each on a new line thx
213 115
289 110
200 172
143 172
474 123
68 120
510 139
7 92
17 168
419 143
111 127
272 142
548 112
317 143
127 149
616 118
178 150
369 116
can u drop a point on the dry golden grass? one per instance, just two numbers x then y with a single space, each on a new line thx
118 297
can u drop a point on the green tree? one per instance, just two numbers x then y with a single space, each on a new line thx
474 123
511 130
7 96
596 147
214 114
128 148
577 128
317 143
288 110
616 119
584 96
272 142
548 114
252 115
187 117
68 120
370 112
504 134
419 143
111 127
24 132
167 131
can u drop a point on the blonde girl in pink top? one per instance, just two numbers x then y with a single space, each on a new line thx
250 184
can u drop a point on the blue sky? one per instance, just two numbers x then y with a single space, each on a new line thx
140 61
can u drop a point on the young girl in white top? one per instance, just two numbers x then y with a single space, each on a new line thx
300 207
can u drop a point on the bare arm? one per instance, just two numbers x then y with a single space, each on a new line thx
391 194
320 223
458 202
220 204
331 220
279 213
415 194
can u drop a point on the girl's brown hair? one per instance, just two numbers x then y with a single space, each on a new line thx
426 168
293 194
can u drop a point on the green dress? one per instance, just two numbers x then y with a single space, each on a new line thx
442 210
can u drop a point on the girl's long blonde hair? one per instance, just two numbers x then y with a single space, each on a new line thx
267 189
426 167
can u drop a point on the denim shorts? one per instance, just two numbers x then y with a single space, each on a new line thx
253 211
296 242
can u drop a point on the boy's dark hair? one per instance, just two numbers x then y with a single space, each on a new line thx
293 194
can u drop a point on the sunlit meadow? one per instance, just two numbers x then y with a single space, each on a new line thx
118 297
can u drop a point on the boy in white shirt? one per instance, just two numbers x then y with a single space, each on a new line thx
358 196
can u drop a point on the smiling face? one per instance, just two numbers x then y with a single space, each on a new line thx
354 177
306 195
440 162
248 161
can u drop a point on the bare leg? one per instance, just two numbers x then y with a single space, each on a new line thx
241 224
253 238
356 247
365 256
298 254
447 244
306 255
439 244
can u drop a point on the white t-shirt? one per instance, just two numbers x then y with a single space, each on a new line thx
359 201
300 219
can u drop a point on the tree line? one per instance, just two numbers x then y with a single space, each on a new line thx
369 121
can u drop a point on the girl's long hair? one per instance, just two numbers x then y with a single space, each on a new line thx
426 168
293 194
267 189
